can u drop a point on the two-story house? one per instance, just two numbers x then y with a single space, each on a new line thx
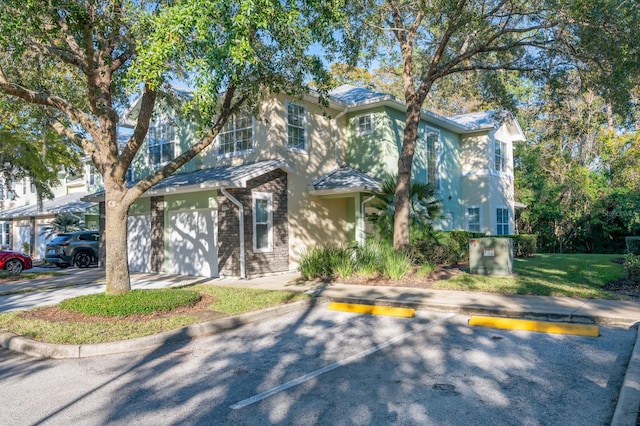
298 175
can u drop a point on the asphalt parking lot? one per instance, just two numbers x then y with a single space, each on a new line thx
327 367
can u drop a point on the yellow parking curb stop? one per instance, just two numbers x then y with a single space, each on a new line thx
538 326
372 310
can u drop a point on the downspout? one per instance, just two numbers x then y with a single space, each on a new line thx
337 136
243 274
363 224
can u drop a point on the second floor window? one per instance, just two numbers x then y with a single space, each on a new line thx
129 176
236 135
161 145
433 174
364 124
296 127
24 186
501 156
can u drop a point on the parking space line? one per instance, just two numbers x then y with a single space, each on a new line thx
331 367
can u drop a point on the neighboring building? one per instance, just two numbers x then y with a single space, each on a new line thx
299 175
24 221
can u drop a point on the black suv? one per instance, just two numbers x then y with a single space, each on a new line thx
79 249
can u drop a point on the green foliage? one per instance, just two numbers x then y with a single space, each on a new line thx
632 268
369 258
397 265
524 245
633 245
63 222
321 262
137 302
423 207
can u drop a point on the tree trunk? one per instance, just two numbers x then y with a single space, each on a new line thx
405 160
117 261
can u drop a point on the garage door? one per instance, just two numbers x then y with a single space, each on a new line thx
139 243
43 236
193 243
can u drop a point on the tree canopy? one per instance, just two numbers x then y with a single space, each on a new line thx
80 62
437 39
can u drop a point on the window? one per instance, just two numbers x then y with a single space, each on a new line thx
236 135
433 173
130 175
24 186
262 222
502 221
3 195
501 156
5 234
473 219
91 178
364 124
296 138
161 144
33 187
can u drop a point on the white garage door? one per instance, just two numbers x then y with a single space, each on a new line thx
43 236
193 243
139 243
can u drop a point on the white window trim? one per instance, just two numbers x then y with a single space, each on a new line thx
357 123
237 153
504 148
164 121
305 128
269 197
438 156
508 219
466 217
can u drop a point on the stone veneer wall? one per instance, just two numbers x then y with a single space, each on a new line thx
228 239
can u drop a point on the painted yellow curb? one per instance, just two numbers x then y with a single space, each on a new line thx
372 310
539 326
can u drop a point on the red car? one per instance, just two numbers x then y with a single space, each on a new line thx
14 261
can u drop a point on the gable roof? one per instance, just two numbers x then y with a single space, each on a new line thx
212 178
345 179
491 119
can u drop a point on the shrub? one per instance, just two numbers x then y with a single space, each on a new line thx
397 265
524 245
632 268
344 267
135 302
633 245
321 262
368 259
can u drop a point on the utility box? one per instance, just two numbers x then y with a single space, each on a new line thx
491 256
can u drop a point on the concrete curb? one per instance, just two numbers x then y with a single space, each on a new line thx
37 349
628 406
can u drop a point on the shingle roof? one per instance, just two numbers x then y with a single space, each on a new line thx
213 178
351 94
480 120
70 203
344 179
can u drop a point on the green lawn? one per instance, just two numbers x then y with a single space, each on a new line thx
230 301
573 275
